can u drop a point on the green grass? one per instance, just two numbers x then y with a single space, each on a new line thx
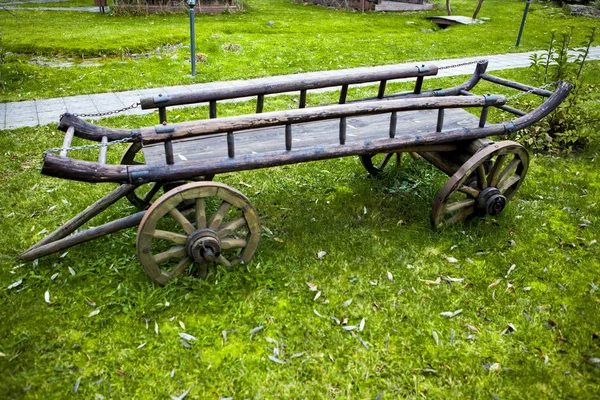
303 38
308 208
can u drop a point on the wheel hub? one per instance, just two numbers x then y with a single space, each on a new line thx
203 245
491 201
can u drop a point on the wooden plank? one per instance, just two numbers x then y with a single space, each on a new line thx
306 135
67 141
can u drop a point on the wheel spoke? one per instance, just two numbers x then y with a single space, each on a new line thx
173 252
181 267
495 172
469 190
182 220
153 190
385 161
457 205
509 170
481 179
216 219
170 236
231 227
200 213
223 261
508 183
233 244
464 213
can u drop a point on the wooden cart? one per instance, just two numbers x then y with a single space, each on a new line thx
197 222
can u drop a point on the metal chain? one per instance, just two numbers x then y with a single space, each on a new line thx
516 96
91 146
459 65
103 114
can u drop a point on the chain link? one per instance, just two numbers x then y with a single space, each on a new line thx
516 96
103 114
459 65
91 146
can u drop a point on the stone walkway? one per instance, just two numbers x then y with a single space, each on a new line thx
42 112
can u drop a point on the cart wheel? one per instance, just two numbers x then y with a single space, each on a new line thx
223 227
143 196
376 163
482 185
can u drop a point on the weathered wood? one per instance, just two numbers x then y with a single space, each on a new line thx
288 137
291 83
41 250
302 99
260 103
230 145
103 149
440 120
503 108
343 130
483 117
89 131
381 91
169 158
255 142
516 85
64 151
212 113
274 118
343 94
162 115
393 123
90 212
418 85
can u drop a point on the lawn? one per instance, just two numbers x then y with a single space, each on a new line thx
64 53
526 283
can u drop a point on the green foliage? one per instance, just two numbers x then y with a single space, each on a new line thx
576 121
2 60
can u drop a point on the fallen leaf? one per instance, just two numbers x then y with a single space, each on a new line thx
347 303
317 295
141 345
317 314
15 284
321 254
53 277
93 313
156 327
512 267
436 339
495 283
187 337
185 344
451 260
363 343
297 355
390 276
362 325
182 325
337 321
257 329
349 327
47 297
72 271
278 240
312 287
428 282
182 396
471 328
277 360
76 387
182 157
450 314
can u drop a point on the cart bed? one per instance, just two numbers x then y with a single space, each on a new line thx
308 135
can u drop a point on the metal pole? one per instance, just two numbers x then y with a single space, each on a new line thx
192 40
523 23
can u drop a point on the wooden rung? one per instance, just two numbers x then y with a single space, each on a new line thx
343 130
169 152
343 94
213 109
103 149
393 123
483 118
260 103
303 98
288 137
440 120
162 115
230 145
67 141
418 85
381 89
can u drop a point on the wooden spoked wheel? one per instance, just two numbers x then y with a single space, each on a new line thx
144 195
377 163
482 185
197 224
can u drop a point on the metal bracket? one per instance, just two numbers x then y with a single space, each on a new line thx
138 177
423 69
161 98
509 127
162 129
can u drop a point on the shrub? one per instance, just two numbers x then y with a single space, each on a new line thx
575 122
